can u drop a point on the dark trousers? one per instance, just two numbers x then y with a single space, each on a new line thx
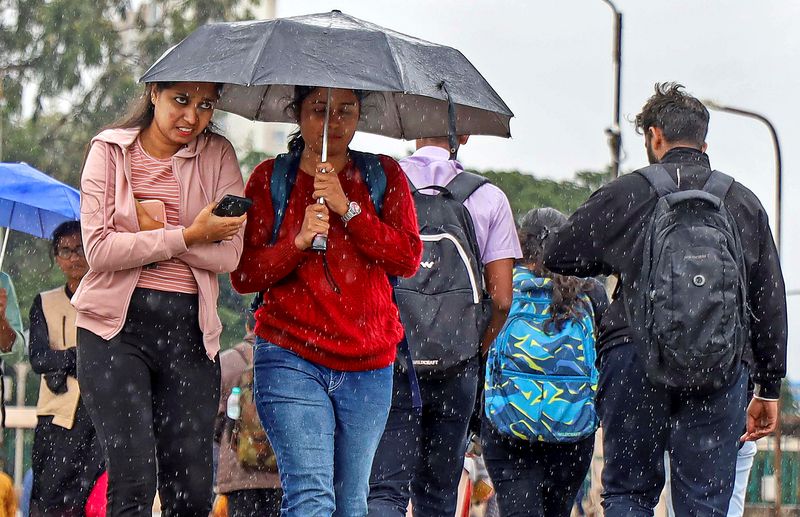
261 502
152 394
535 479
421 454
66 463
641 420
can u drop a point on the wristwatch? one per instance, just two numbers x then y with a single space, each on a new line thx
353 209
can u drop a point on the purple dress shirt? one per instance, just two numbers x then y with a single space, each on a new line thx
488 206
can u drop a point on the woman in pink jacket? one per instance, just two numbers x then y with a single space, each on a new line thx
148 329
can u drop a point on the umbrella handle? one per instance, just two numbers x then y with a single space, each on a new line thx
320 242
6 232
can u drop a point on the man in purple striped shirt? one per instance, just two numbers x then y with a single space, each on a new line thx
421 454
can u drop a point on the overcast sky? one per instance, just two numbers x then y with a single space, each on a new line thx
551 63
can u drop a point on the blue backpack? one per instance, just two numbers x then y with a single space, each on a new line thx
541 383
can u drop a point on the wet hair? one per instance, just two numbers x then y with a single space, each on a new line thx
141 111
64 229
533 229
681 117
296 143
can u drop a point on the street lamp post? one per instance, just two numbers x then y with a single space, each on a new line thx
613 132
778 460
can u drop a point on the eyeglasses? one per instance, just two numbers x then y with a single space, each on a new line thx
66 253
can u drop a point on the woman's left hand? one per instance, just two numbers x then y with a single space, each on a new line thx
327 185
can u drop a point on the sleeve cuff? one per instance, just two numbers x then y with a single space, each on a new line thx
768 390
176 245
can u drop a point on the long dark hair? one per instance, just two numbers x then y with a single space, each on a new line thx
296 143
534 228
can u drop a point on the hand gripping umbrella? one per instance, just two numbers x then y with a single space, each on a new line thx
420 89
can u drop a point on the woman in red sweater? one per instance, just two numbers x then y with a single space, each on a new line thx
327 329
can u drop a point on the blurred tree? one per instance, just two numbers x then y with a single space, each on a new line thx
68 68
790 406
525 191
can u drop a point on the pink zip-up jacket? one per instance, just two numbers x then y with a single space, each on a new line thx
206 170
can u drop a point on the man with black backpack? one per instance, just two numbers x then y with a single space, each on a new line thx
700 307
451 310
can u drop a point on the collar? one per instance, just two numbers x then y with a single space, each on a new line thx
125 137
432 153
686 155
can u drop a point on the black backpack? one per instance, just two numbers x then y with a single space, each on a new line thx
444 307
689 303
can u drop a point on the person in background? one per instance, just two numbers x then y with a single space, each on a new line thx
327 331
538 476
252 490
10 331
421 453
8 496
148 327
10 319
642 415
66 455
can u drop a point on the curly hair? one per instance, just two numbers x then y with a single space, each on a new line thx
533 229
680 116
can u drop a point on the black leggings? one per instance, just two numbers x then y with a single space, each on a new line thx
535 479
152 394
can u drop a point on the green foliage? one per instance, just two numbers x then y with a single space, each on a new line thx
526 191
790 406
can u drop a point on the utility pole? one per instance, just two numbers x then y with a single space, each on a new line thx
614 133
777 463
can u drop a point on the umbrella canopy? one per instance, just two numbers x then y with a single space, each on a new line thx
414 81
33 202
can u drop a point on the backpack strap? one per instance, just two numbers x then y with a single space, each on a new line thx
659 178
284 175
465 184
374 176
718 184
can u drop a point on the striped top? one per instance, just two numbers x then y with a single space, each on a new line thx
152 178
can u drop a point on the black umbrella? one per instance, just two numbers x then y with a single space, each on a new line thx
421 89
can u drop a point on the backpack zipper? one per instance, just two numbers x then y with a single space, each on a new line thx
436 237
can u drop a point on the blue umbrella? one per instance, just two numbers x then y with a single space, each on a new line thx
32 202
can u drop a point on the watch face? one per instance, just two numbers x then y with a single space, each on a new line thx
354 208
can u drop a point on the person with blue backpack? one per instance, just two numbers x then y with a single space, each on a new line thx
541 379
326 326
700 308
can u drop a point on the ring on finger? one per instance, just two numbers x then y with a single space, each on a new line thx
320 216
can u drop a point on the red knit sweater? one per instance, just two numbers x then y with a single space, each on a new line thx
358 328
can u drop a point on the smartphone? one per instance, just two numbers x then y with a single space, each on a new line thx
232 206
155 209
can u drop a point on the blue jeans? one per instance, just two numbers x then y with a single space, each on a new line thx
324 426
641 421
744 462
